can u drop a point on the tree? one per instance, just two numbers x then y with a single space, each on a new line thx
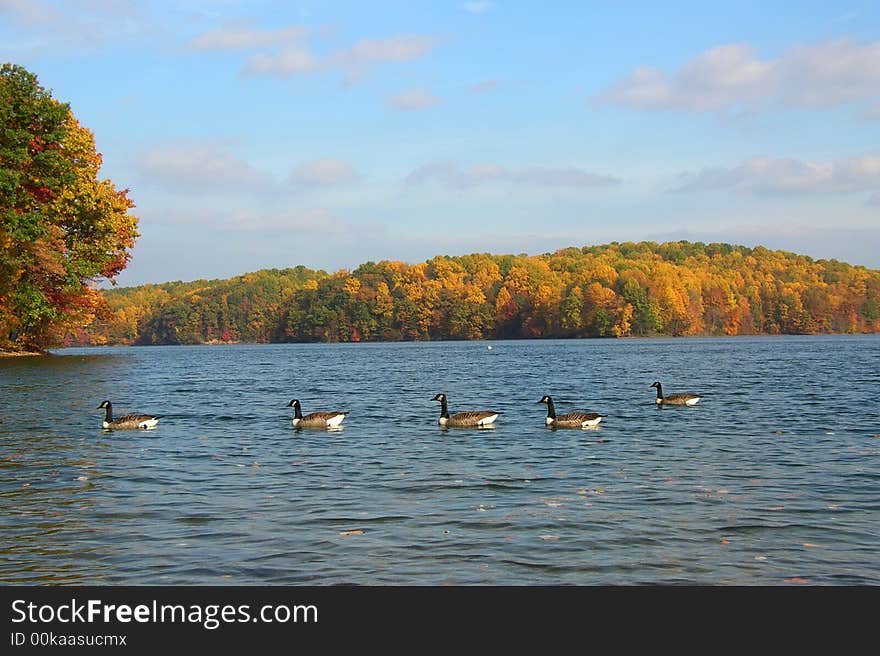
61 228
598 291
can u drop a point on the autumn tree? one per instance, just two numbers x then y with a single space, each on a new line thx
61 228
614 290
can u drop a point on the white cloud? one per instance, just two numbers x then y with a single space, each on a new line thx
449 174
289 61
323 172
400 48
478 7
732 77
195 166
414 99
765 175
831 73
561 177
353 61
28 13
240 36
79 26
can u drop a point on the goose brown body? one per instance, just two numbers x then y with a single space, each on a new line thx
465 419
126 422
675 399
315 419
571 419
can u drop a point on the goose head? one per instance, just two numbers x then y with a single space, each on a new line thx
440 397
545 399
293 403
656 383
105 404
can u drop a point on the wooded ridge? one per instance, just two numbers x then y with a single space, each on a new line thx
613 290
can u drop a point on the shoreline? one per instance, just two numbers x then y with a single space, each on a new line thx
475 341
20 354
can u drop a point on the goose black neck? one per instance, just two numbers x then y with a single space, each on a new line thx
297 411
551 409
444 409
659 391
108 413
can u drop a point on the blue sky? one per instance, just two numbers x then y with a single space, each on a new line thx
269 134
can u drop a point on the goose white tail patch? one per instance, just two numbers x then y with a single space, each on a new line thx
488 420
333 422
693 401
149 423
591 422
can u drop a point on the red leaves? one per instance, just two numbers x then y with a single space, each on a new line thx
43 194
64 227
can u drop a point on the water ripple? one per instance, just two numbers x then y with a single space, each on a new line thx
759 484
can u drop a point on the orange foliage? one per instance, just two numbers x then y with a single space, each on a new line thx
617 290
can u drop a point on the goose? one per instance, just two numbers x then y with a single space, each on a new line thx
570 420
675 399
315 419
126 422
468 418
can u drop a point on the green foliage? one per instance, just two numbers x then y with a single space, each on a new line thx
646 314
61 228
627 289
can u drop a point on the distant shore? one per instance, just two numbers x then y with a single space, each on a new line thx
213 343
19 354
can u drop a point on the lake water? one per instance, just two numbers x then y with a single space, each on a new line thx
773 479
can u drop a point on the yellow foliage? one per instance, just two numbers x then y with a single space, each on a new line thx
352 286
609 291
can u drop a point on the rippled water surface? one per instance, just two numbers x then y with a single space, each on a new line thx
774 478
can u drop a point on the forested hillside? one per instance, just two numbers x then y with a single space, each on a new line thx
615 290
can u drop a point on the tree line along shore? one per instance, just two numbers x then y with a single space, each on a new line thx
614 290
64 230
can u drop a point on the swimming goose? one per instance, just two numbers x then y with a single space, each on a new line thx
127 422
570 420
675 399
468 418
315 419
